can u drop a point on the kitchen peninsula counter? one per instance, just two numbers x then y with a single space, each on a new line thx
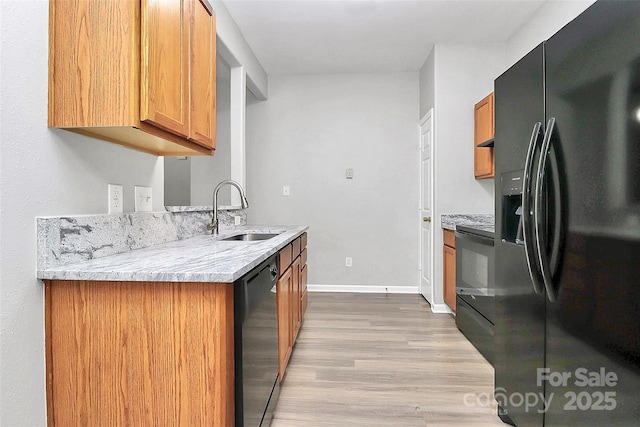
151 247
204 258
141 318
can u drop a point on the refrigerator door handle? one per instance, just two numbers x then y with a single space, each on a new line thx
539 213
527 226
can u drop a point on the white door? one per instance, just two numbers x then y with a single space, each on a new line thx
426 206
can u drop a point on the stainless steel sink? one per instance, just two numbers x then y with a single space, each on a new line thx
250 237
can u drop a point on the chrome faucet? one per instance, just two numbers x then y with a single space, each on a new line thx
213 227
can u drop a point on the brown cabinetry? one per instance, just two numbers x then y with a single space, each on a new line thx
295 300
303 284
136 73
153 353
284 289
292 297
449 268
483 166
139 353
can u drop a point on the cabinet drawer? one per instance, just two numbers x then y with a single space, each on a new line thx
296 247
303 258
303 241
449 238
285 258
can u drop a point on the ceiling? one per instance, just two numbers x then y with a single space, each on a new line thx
337 36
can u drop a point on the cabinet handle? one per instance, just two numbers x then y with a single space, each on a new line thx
426 219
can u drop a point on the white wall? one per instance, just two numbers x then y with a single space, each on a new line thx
236 51
464 75
552 16
43 172
427 84
306 135
177 181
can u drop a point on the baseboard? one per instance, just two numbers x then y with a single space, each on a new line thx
440 308
364 289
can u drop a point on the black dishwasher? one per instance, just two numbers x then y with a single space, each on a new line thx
475 290
256 345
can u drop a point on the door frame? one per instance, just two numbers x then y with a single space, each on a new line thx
427 119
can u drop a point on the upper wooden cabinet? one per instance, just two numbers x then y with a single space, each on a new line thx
483 132
137 73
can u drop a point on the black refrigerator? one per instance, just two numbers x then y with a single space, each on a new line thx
567 250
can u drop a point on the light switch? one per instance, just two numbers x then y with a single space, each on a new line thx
286 191
349 173
143 201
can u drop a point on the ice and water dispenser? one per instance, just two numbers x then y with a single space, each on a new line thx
511 184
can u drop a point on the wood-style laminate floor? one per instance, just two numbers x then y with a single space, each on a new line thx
383 360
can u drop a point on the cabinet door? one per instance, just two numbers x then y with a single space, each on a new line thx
450 277
139 353
93 79
295 300
483 131
304 299
202 117
283 292
164 86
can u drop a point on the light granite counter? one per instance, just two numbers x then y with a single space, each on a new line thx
450 221
151 246
203 258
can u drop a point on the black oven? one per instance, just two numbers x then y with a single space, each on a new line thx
475 292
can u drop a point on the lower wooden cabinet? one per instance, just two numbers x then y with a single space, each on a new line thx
304 299
295 300
292 297
139 353
154 353
449 269
284 288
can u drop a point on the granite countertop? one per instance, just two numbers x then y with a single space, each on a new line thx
202 258
485 222
482 227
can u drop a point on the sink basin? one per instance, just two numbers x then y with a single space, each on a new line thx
250 237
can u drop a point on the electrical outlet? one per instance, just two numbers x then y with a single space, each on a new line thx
115 194
286 191
349 173
237 220
143 200
348 262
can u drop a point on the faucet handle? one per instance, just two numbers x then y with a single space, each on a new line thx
213 227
